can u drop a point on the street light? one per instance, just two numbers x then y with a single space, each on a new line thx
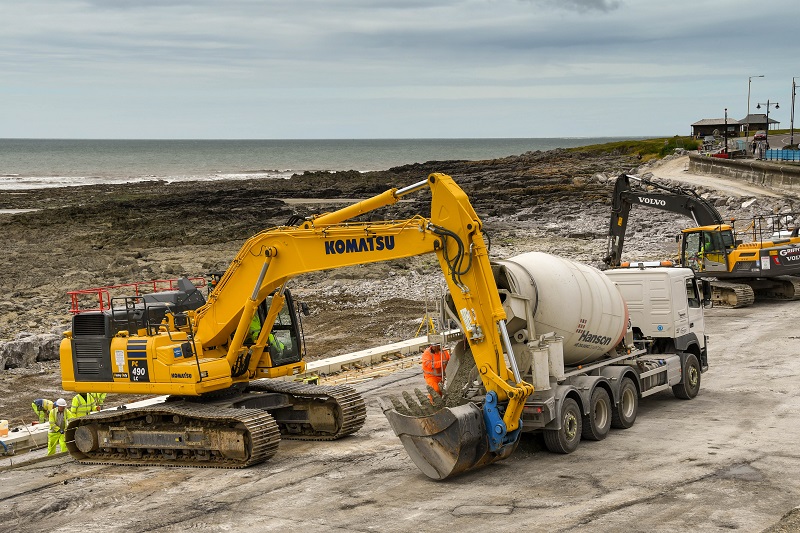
794 91
726 131
749 79
766 136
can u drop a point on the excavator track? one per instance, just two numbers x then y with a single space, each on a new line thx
326 412
780 288
732 295
184 434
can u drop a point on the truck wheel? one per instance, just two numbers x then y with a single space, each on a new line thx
690 384
624 414
566 439
597 423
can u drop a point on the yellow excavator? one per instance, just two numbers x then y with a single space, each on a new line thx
221 413
767 266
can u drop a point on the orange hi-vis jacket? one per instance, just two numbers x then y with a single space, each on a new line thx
433 365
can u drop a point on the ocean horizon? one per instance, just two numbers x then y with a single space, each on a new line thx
45 163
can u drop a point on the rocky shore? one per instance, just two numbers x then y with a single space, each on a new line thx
556 201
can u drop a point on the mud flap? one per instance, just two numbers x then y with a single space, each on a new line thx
447 442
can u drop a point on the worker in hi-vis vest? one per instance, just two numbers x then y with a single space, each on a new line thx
87 402
59 418
42 408
434 361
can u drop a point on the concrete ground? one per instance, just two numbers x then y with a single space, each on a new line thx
726 460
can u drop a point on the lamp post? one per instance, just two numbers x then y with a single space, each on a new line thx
794 91
725 133
749 79
766 137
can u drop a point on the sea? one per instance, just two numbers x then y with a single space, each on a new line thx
44 163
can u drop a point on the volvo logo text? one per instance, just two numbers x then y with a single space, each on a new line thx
651 201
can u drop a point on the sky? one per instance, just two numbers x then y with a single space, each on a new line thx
360 69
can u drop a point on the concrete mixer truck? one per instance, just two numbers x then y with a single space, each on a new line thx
591 343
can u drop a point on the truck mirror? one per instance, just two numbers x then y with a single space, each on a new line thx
705 287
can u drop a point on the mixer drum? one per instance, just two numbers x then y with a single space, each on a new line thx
575 301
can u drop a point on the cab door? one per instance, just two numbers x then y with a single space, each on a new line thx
714 252
696 317
286 344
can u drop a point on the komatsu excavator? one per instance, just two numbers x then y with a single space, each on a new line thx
740 270
220 414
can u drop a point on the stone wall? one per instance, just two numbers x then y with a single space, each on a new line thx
775 174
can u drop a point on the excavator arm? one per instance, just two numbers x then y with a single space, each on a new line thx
453 232
680 200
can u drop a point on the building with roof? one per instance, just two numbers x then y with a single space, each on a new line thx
708 126
758 121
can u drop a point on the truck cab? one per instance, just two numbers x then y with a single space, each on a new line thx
665 306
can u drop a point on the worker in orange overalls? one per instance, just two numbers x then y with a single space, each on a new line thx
434 361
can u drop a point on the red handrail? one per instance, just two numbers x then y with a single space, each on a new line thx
103 294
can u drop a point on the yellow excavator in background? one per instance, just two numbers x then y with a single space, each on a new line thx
767 266
219 413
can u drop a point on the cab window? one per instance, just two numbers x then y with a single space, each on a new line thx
691 293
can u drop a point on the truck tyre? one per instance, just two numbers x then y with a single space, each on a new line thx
597 423
690 384
566 439
623 415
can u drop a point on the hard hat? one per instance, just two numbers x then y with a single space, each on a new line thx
61 402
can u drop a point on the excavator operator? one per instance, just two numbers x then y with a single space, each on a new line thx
434 361
276 347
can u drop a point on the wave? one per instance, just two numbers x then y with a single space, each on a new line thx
17 182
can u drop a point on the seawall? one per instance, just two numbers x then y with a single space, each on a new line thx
779 176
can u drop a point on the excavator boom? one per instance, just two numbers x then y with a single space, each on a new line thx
680 200
453 233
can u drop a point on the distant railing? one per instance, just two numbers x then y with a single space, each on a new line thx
782 155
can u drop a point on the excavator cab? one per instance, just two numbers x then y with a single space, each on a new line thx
705 249
286 344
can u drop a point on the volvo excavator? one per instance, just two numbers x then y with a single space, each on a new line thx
221 413
740 271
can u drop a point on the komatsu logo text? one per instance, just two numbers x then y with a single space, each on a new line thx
594 339
364 244
651 201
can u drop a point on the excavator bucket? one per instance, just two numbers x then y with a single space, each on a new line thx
441 441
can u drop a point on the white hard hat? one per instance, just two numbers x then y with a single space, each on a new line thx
61 402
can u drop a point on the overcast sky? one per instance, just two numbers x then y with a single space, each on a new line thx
389 69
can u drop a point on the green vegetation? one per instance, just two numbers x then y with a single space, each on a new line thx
646 149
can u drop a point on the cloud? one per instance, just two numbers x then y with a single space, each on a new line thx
580 6
204 66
